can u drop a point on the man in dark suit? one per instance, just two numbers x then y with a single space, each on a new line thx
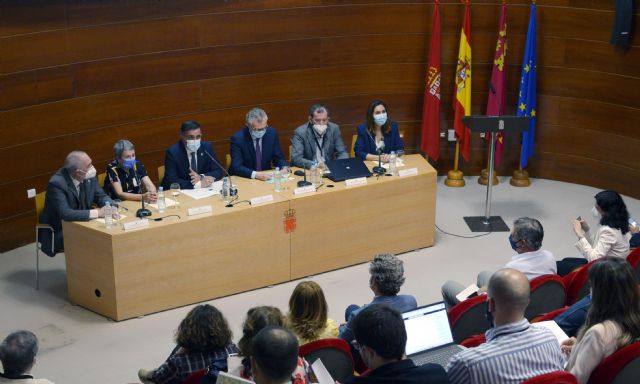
256 148
381 339
318 140
71 192
191 162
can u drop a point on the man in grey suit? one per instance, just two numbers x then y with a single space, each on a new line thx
71 192
318 140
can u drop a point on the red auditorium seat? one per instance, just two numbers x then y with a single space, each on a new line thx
559 377
547 294
623 366
335 355
577 283
634 260
467 318
195 377
549 315
474 341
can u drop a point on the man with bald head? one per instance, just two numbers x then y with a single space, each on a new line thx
71 192
515 350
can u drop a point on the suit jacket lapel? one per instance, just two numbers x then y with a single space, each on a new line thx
71 186
184 157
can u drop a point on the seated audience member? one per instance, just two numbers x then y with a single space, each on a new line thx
386 277
18 355
203 341
125 175
318 140
256 148
515 350
380 338
634 230
71 192
612 237
526 239
274 356
573 318
307 317
191 162
377 134
613 320
257 319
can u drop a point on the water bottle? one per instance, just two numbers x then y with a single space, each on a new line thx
313 175
392 163
226 190
276 180
108 215
162 204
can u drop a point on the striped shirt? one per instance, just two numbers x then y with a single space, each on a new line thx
512 353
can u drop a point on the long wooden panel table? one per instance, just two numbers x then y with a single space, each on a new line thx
175 262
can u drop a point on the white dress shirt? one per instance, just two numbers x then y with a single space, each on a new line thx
608 242
534 264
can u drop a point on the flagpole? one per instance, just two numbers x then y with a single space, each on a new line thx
455 177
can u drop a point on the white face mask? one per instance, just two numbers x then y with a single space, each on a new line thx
596 214
193 145
90 174
380 119
320 128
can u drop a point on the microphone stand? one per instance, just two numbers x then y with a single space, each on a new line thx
304 183
232 190
379 169
142 212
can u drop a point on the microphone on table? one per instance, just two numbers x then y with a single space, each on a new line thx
142 212
379 169
304 183
233 191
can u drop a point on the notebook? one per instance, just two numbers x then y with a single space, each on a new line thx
429 337
343 169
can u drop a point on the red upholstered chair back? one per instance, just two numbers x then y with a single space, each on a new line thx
559 377
474 341
579 285
547 294
634 260
335 355
623 366
549 315
195 377
467 318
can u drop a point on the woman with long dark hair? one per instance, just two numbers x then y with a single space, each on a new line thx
377 134
613 320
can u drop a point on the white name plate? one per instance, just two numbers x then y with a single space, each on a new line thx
408 172
261 199
199 210
137 224
301 190
356 181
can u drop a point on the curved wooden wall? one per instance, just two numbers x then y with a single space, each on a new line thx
83 74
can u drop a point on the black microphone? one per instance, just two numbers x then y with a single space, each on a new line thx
304 183
233 191
379 169
142 212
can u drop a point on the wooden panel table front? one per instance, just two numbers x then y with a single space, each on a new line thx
175 262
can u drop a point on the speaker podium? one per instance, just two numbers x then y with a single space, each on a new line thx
493 125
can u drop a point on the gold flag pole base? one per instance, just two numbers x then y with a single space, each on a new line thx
520 178
484 177
455 179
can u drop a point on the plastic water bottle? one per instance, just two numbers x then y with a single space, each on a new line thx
313 175
392 163
162 204
276 180
226 190
108 215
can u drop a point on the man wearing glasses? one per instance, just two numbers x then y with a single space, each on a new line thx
255 148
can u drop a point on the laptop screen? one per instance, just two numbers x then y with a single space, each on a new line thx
427 327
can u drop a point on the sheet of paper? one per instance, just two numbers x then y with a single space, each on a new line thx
101 220
169 203
323 376
555 328
226 378
202 193
399 163
462 296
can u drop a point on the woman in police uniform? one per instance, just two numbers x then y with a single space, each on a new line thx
125 175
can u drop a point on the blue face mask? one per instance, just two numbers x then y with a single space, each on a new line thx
514 244
129 163
258 134
380 119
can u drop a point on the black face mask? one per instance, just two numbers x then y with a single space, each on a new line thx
489 316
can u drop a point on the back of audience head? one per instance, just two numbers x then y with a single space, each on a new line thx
527 234
380 334
507 295
203 329
257 318
18 353
307 310
274 356
614 296
387 274
613 210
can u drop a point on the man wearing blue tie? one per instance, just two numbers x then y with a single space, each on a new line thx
191 162
256 148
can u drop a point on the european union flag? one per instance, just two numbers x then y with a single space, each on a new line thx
527 95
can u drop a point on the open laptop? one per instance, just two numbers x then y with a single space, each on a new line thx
429 337
343 169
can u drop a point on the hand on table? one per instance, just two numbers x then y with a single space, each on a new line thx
150 197
567 345
264 176
194 176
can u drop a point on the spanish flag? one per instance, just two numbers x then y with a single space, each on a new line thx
462 100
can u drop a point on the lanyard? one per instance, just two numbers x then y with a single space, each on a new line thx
313 133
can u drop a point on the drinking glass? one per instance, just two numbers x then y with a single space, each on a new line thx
175 192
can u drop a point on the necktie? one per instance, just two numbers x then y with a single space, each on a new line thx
258 156
194 164
81 195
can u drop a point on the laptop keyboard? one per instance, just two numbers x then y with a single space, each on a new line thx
440 356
